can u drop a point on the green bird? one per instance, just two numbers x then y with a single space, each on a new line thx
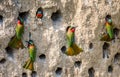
32 54
16 41
72 49
109 29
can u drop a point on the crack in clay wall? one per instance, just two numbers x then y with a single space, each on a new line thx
48 34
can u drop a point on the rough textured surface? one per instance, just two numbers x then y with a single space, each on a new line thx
49 37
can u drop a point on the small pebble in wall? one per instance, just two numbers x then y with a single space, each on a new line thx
109 35
72 49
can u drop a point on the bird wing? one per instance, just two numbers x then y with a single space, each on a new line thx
19 31
32 52
110 31
70 39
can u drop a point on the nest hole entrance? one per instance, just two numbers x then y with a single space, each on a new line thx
90 45
77 63
2 61
63 49
110 69
91 72
58 71
56 19
39 13
105 50
24 74
1 21
9 51
23 16
117 58
34 74
116 31
42 57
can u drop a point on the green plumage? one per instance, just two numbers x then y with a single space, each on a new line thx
19 31
32 54
72 49
16 41
70 38
109 30
109 35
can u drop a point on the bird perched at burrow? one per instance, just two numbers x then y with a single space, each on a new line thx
32 54
109 35
72 49
16 41
39 14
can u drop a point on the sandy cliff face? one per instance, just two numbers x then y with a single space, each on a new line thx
48 35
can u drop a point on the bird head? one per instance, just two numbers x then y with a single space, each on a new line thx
39 12
18 22
108 19
30 42
70 28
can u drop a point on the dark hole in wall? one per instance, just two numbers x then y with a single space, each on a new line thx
110 68
23 15
117 58
58 71
116 31
40 12
106 2
24 74
90 45
63 49
91 72
105 50
2 61
9 51
1 20
56 16
77 63
42 57
34 74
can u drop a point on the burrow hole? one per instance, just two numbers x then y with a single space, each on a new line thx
91 72
56 16
90 45
110 68
105 50
116 31
42 57
23 16
58 71
34 74
117 58
1 21
9 51
2 61
24 74
63 49
77 63
39 13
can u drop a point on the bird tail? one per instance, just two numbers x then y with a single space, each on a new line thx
15 43
73 50
29 65
105 37
70 51
76 49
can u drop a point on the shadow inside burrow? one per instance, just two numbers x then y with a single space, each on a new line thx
91 72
